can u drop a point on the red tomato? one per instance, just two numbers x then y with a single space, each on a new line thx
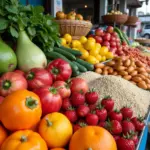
98 39
114 34
110 29
38 77
98 32
106 43
117 40
112 39
78 85
63 89
1 99
59 69
113 44
50 99
106 37
20 72
10 82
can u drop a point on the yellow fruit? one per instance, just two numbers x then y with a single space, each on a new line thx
76 44
103 58
92 39
91 59
85 54
83 39
99 57
66 45
109 55
68 38
98 46
89 45
103 51
94 52
63 41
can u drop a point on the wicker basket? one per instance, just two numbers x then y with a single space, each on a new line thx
119 19
76 28
132 20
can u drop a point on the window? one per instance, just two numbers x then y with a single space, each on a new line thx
147 27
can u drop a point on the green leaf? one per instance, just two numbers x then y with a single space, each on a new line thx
31 31
11 9
13 32
49 22
37 10
3 23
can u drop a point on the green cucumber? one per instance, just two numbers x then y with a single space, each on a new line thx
55 55
81 67
87 65
65 53
77 73
126 38
119 34
74 52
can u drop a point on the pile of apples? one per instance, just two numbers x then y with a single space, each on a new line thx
108 38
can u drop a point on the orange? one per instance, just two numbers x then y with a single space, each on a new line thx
3 135
58 149
92 138
56 130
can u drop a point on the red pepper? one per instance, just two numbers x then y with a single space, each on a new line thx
59 70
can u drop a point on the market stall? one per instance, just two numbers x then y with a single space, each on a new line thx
63 89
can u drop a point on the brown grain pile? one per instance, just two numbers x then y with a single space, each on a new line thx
122 91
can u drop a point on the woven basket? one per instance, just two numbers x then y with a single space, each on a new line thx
76 28
132 20
119 19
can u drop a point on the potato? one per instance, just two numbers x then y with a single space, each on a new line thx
98 70
127 77
148 70
145 74
105 72
110 63
106 68
120 68
148 86
110 70
99 65
133 82
139 64
141 76
147 80
115 73
123 73
136 79
133 73
127 63
142 85
130 69
141 69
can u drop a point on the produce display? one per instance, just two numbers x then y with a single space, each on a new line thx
114 12
70 16
59 93
127 68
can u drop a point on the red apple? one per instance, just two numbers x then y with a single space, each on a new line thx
114 34
118 44
110 29
124 43
113 50
113 44
98 39
117 39
106 43
98 32
107 36
113 39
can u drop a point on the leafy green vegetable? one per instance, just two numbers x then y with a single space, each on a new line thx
41 28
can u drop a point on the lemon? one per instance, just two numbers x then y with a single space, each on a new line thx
68 38
99 57
66 45
103 51
83 39
91 59
63 41
89 45
85 54
92 39
103 58
109 55
94 52
76 44
98 46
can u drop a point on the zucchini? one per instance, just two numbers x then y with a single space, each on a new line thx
81 68
87 65
126 38
74 52
119 34
65 53
55 55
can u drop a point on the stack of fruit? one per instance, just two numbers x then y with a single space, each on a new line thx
114 12
91 50
71 15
